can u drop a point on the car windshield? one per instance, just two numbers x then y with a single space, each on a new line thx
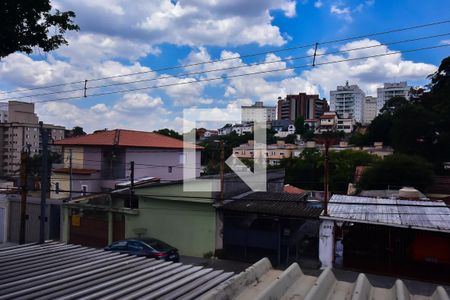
158 245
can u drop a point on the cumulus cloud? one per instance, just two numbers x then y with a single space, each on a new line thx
194 22
318 4
133 111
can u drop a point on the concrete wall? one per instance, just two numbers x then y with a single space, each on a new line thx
189 224
163 163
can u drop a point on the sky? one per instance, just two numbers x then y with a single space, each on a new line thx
119 37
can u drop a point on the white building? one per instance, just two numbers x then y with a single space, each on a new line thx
348 99
258 111
370 109
389 90
345 124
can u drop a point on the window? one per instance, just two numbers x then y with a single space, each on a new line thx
169 169
56 187
135 246
121 245
84 189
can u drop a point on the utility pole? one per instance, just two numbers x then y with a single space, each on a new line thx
222 171
24 190
132 184
325 178
70 174
44 180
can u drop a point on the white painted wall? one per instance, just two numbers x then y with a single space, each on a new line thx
326 242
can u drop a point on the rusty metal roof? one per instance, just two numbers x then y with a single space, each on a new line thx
423 214
260 281
55 270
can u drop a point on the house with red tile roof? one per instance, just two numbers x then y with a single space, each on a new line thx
97 162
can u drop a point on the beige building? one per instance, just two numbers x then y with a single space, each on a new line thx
19 128
258 111
370 109
274 153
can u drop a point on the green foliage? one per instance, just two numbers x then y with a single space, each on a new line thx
26 24
393 104
290 139
358 139
35 162
306 171
343 164
299 124
170 133
398 170
420 126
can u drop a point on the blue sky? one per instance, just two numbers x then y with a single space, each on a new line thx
122 37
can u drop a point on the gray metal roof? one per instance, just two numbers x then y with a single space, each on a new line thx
424 215
60 271
260 281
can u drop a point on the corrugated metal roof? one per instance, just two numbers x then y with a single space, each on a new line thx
273 203
60 271
425 215
260 281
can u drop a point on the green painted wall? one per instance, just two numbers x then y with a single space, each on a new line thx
187 224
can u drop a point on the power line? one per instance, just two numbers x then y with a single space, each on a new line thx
238 57
183 75
243 75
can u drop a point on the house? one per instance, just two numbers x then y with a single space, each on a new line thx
388 236
187 220
281 226
274 152
242 129
283 127
225 130
345 124
313 124
328 122
96 162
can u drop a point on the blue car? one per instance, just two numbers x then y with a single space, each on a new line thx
147 247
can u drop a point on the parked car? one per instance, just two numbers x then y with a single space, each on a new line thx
148 247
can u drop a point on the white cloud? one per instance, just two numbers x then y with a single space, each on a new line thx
194 22
86 48
344 13
102 115
318 4
445 42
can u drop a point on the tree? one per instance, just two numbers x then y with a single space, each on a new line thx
412 130
393 104
398 170
170 133
300 125
26 24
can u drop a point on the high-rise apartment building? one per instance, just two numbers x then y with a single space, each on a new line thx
304 105
348 99
19 129
258 110
370 109
389 90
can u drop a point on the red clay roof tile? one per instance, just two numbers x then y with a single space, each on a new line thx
126 138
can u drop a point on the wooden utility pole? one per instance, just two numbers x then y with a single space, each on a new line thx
70 174
132 184
222 171
44 180
24 191
325 178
